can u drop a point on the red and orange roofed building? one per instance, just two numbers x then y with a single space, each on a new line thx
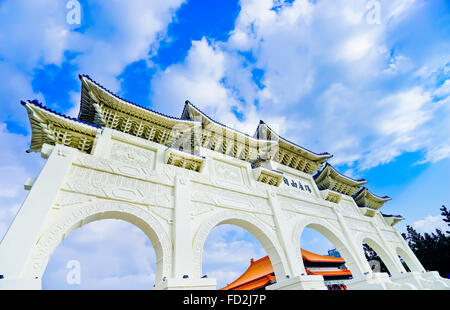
260 273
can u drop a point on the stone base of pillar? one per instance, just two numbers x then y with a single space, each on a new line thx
187 284
299 283
374 281
437 282
414 279
20 284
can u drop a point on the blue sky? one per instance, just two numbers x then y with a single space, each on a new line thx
332 75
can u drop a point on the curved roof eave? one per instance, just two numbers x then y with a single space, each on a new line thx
319 156
132 104
391 215
329 166
376 197
78 122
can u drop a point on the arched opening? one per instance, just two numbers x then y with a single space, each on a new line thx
272 259
324 253
407 261
73 219
378 258
404 264
375 262
228 252
106 254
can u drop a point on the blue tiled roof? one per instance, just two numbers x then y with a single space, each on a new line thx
40 105
132 103
390 215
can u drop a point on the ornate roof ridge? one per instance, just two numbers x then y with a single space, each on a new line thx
361 181
35 102
81 76
384 198
324 154
314 257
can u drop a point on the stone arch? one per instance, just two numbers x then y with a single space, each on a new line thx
409 260
382 252
73 219
333 235
260 231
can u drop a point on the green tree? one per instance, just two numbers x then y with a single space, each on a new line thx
432 250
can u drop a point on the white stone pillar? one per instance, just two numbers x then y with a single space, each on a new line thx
297 278
293 258
182 236
182 267
361 262
102 144
28 224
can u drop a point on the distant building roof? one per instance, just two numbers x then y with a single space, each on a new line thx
260 272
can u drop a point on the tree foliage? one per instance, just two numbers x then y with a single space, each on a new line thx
432 250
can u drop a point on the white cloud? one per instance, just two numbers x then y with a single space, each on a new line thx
227 253
113 255
137 28
326 75
35 34
399 64
16 166
437 153
356 48
443 90
198 80
430 223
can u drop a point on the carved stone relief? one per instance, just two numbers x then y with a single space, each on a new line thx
103 184
133 155
228 173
